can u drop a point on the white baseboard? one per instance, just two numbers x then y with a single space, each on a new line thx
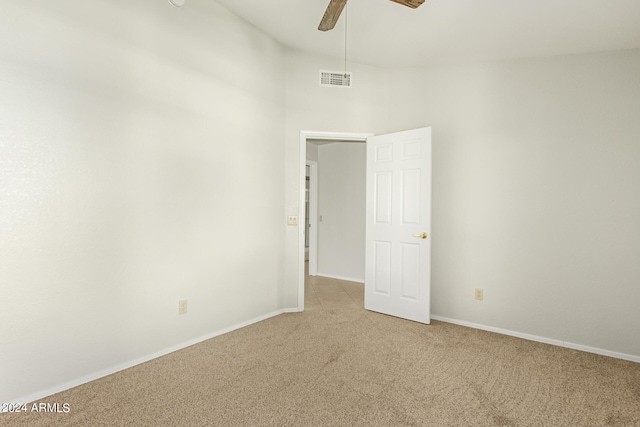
348 279
551 341
103 373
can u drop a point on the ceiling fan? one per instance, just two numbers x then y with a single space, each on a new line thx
335 7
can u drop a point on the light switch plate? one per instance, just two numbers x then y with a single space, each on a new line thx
292 220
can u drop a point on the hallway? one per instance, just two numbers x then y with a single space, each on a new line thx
324 293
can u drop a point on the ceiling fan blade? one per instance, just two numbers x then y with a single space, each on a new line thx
332 14
410 3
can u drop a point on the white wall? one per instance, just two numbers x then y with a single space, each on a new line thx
536 165
312 152
342 197
136 142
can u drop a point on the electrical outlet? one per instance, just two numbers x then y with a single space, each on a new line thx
479 294
182 307
292 220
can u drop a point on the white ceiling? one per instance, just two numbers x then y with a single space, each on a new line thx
386 34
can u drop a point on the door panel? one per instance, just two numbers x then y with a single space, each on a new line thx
383 197
410 271
398 264
382 278
411 197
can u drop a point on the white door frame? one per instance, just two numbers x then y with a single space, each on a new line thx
304 135
313 217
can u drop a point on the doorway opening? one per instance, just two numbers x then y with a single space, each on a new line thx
306 136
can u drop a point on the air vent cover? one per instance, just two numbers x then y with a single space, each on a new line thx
335 78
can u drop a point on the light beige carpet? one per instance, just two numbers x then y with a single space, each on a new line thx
349 367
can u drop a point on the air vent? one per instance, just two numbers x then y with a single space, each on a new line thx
335 79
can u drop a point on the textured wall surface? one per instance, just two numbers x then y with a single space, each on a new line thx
137 143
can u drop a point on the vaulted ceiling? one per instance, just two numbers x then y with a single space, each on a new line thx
385 34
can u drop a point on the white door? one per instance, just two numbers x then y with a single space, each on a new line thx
398 242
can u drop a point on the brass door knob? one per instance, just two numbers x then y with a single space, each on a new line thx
422 235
